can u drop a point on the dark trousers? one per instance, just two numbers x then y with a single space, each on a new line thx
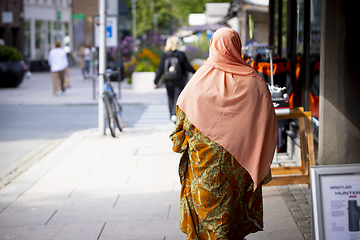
173 89
86 69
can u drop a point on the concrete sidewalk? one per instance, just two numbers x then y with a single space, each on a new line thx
98 187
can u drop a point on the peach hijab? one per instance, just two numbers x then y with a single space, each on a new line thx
229 102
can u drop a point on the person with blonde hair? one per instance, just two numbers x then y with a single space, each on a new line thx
226 131
58 66
174 65
172 44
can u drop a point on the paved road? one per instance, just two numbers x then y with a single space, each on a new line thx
25 128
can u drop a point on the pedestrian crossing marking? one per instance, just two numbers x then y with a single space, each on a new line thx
154 115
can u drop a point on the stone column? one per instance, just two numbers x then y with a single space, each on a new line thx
32 38
339 134
46 42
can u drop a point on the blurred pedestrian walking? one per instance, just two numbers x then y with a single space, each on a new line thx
174 65
59 66
85 58
226 131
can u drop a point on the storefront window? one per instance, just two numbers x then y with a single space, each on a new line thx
49 35
300 27
315 27
27 40
57 31
66 29
40 39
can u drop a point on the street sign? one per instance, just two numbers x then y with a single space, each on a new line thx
108 31
78 16
58 15
111 32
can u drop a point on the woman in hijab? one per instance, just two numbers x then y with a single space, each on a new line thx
226 131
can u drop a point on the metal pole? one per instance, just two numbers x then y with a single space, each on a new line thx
271 67
306 54
119 56
155 23
93 49
280 35
134 21
102 61
57 20
271 22
291 45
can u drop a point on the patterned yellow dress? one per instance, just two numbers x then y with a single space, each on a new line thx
217 197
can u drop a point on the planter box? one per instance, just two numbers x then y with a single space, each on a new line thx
11 74
40 65
142 81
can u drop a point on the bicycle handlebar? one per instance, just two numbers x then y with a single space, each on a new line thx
108 73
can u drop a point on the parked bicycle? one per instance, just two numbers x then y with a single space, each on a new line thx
111 103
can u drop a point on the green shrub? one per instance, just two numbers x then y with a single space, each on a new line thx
9 54
145 66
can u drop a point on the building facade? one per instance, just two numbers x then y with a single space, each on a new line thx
83 25
46 21
88 9
249 18
12 23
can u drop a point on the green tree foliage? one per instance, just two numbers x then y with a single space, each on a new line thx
182 8
145 10
145 15
171 13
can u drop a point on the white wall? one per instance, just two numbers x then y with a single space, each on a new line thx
216 11
44 10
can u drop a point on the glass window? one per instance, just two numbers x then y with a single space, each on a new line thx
300 27
315 32
27 40
40 39
49 34
57 31
66 29
56 27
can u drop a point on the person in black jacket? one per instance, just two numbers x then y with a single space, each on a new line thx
173 86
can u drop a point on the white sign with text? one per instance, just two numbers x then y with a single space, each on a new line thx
111 32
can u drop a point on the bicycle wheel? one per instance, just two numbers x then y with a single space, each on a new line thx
117 112
110 114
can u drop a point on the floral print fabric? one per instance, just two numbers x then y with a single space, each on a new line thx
217 200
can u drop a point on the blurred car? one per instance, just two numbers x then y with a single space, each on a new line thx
113 65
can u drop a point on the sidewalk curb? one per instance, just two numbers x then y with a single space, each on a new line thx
30 173
8 174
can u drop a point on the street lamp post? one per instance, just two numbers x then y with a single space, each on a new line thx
155 22
134 21
57 15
